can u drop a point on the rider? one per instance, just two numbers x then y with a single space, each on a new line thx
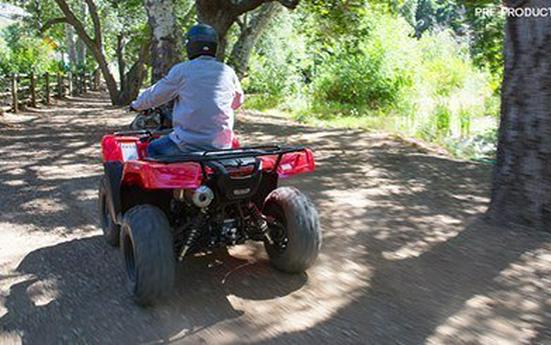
206 93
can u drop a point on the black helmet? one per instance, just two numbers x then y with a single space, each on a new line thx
202 39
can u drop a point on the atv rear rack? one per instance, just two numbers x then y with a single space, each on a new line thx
203 157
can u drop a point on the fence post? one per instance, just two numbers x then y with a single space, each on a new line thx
97 79
70 83
91 81
83 76
33 89
15 99
47 81
59 85
76 84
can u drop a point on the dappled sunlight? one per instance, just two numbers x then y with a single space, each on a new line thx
515 312
438 230
332 284
11 338
65 171
42 292
403 256
44 205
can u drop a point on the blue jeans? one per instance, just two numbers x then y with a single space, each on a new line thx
163 146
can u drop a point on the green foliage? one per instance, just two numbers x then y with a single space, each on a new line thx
487 39
21 52
278 66
429 87
372 75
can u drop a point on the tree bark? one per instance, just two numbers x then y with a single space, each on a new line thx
221 14
250 33
119 51
134 78
522 177
165 44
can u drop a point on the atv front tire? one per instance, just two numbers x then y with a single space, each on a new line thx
148 251
300 220
110 229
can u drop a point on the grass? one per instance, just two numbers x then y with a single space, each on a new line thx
478 145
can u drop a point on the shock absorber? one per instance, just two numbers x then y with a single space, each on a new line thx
196 225
261 223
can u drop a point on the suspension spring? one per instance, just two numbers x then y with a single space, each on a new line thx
261 223
193 235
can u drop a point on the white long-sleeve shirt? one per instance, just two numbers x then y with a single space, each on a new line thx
206 93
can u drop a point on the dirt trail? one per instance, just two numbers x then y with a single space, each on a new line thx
404 259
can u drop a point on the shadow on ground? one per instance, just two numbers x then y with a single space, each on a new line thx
405 260
76 294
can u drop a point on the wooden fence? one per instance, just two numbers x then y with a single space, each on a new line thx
28 90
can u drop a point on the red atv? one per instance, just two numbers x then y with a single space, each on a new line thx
160 210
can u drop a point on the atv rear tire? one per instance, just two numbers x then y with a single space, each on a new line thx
299 217
148 251
110 229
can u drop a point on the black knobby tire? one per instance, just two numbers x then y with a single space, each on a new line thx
300 219
148 251
110 229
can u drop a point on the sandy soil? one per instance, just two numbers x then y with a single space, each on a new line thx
405 260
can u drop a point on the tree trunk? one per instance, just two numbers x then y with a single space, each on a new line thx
110 81
134 78
80 46
221 14
95 44
164 46
71 45
250 33
81 53
522 176
120 59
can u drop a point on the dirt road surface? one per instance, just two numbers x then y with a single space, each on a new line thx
405 258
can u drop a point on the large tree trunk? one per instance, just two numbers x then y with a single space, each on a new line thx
164 47
250 33
220 15
522 177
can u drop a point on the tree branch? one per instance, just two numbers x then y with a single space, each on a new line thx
244 6
290 4
95 20
52 22
76 23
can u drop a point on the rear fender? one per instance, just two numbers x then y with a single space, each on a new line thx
151 175
290 164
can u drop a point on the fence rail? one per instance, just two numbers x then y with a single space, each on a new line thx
28 90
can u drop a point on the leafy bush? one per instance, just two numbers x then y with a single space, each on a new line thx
277 64
374 75
390 80
23 53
